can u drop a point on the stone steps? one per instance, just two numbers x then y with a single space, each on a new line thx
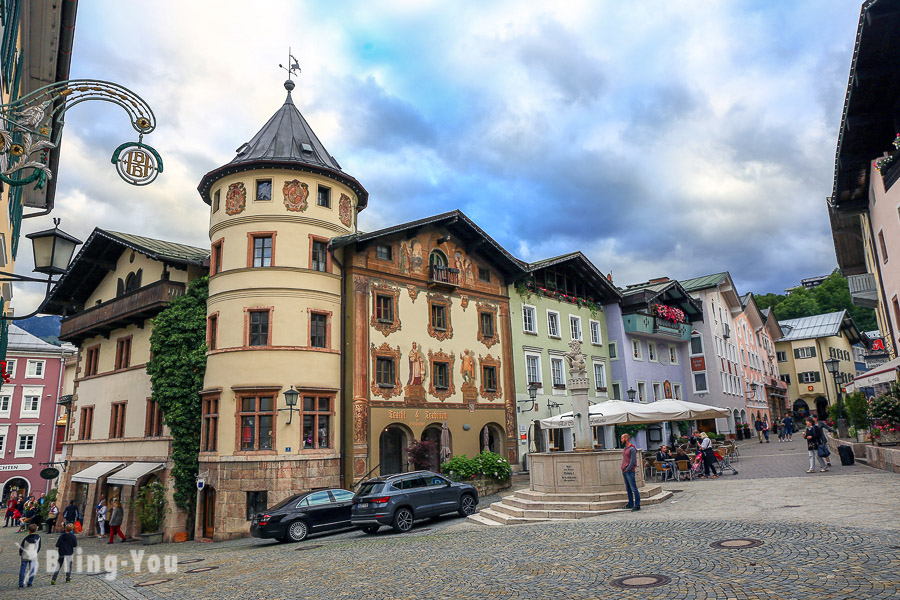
526 506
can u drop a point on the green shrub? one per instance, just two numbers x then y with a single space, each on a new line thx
460 468
493 465
857 410
45 507
837 411
885 412
151 507
488 464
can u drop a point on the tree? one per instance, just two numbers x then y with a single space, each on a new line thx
831 295
799 303
176 369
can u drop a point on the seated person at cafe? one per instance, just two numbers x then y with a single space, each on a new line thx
680 455
664 460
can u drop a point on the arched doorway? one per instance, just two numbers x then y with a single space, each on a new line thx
801 409
744 416
208 497
491 438
392 447
822 407
16 484
432 435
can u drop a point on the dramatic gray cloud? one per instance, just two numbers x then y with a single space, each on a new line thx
676 138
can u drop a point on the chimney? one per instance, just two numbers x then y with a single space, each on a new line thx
609 277
659 280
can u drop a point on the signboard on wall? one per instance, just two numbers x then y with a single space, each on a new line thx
698 363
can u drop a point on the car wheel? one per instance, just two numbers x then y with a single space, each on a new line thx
466 505
297 531
370 529
403 520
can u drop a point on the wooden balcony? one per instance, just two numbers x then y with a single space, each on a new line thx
130 308
445 277
656 327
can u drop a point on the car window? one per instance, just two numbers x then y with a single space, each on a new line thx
412 483
285 502
319 498
303 503
371 487
435 481
342 495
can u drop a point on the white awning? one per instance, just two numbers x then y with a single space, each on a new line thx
130 474
614 412
885 373
95 472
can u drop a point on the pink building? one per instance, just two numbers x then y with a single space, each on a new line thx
29 411
757 360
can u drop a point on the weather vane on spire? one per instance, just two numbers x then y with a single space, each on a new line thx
293 67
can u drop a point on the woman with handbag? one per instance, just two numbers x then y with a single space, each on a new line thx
813 436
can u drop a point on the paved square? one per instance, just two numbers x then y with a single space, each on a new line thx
822 536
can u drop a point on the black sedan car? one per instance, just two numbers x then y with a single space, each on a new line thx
298 516
398 500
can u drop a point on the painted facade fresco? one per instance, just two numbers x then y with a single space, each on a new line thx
426 362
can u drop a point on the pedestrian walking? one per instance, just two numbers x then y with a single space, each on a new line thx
813 435
70 515
765 429
758 426
629 463
101 518
788 423
66 547
101 502
115 522
822 425
709 457
10 510
52 516
28 552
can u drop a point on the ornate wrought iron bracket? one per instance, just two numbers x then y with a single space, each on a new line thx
34 124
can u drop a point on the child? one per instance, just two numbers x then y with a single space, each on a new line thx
66 544
28 552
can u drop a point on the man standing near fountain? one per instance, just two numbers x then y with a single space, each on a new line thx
629 463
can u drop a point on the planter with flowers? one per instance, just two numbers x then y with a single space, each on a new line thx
884 411
488 472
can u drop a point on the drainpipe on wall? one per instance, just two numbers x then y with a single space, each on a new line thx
62 369
343 419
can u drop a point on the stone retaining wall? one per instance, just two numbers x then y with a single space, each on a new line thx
886 458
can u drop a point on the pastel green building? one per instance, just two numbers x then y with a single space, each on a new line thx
559 300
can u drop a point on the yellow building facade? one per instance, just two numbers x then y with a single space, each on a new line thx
801 354
117 441
273 323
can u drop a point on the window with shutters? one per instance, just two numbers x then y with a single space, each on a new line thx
117 420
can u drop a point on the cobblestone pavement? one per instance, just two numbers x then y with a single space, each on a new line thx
829 535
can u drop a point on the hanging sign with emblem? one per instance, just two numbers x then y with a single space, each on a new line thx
137 163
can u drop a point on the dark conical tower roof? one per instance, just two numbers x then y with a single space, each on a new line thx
286 137
286 141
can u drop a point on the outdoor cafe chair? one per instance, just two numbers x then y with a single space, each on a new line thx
683 470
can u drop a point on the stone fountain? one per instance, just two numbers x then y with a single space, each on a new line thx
569 485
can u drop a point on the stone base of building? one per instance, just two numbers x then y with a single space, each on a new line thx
580 472
229 481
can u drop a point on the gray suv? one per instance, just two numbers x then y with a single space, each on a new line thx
398 500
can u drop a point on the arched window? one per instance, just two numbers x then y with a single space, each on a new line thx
437 259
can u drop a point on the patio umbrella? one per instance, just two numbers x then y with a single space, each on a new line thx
445 442
615 412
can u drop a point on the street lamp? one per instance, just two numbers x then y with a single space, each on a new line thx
290 398
53 250
631 393
833 364
532 396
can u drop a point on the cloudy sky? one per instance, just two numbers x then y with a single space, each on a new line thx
660 138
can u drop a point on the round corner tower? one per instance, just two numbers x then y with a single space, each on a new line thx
274 322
